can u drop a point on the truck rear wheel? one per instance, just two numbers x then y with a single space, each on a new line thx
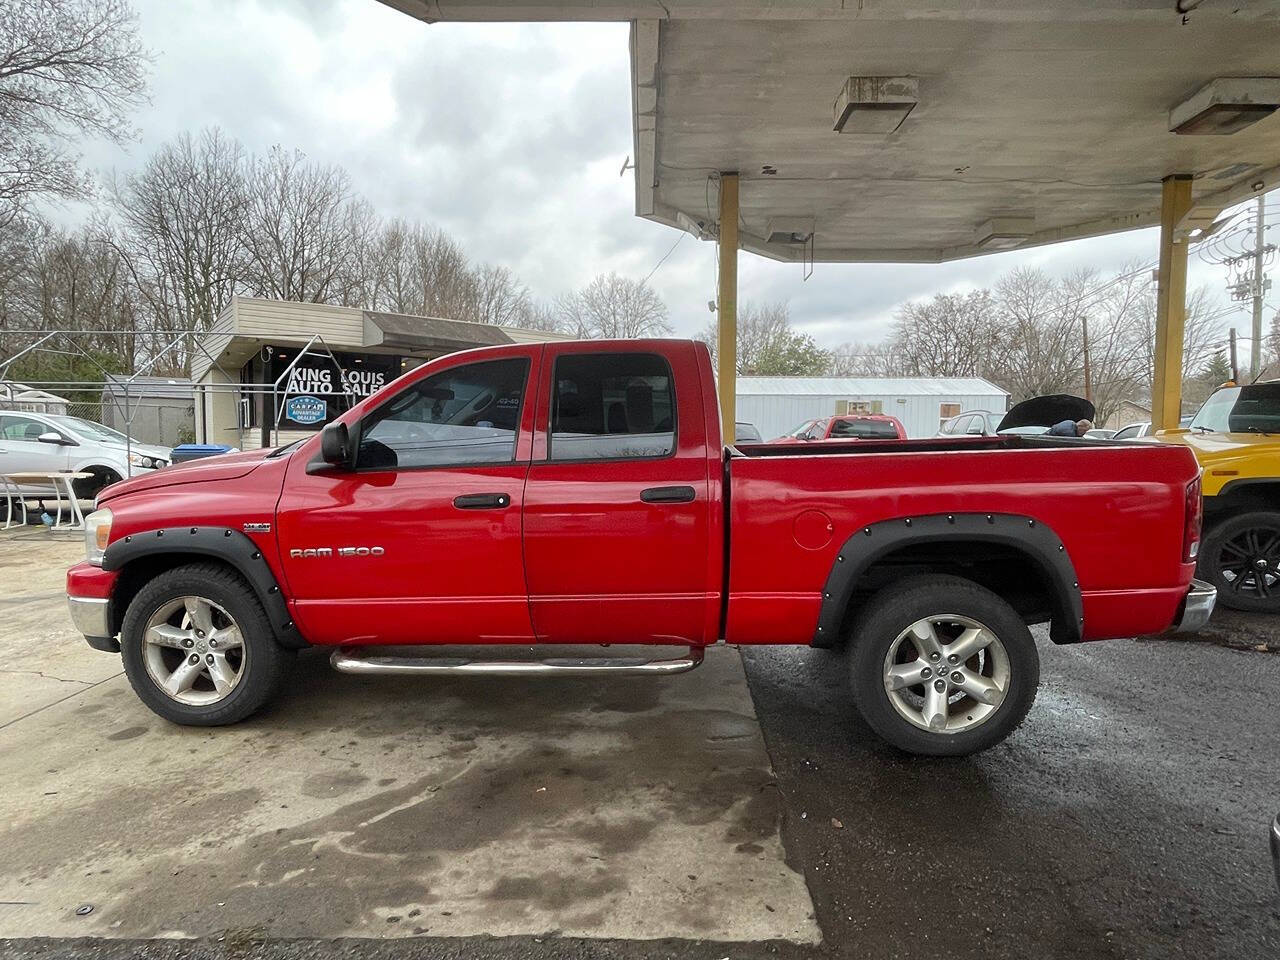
942 666
198 648
1241 557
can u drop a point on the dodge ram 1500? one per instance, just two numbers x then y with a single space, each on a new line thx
579 493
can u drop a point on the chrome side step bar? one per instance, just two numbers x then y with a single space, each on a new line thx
358 660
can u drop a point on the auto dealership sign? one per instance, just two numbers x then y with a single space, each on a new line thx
316 390
309 379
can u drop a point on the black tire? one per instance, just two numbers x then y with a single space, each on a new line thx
264 664
1241 586
891 612
89 487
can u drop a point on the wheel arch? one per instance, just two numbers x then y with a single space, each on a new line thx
1016 557
140 557
1237 496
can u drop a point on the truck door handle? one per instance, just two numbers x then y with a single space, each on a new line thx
668 495
482 501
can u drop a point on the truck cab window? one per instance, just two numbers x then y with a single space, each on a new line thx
466 415
612 406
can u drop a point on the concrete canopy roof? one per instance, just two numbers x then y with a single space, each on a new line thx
1053 114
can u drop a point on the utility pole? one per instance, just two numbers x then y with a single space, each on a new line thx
1255 355
1235 366
1088 386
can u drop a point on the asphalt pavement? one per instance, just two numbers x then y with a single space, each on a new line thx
1127 817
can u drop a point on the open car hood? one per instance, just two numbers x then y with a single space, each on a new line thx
1048 410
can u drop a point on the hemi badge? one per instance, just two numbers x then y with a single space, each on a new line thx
257 528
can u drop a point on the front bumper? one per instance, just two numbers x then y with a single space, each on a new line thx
92 617
1197 607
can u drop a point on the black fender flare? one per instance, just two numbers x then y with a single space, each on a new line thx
222 543
1025 534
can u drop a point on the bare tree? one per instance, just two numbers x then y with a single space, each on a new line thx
1202 335
497 297
769 346
614 307
419 270
951 335
68 68
865 360
182 227
300 225
1040 324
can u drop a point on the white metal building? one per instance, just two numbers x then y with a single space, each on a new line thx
777 404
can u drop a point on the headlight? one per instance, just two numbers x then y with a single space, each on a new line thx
138 460
97 534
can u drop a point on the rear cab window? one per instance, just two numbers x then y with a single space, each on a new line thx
612 406
864 429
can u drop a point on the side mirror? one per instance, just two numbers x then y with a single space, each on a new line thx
55 438
335 445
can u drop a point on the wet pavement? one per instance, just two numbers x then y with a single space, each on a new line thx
1126 818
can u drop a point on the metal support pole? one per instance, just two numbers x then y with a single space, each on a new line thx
727 328
1255 354
1171 305
1235 364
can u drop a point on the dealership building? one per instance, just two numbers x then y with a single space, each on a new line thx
252 389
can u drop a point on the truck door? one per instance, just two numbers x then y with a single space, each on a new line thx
420 542
616 528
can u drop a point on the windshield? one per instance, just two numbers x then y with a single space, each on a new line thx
1250 409
89 428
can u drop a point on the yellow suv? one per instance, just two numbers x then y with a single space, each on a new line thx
1236 439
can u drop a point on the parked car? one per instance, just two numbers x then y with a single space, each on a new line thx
500 496
744 432
1135 431
48 443
854 426
972 423
1099 433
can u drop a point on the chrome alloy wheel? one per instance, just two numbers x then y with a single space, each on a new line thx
194 651
946 673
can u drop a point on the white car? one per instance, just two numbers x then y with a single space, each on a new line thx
46 443
1135 431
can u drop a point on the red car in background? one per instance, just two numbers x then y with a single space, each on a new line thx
855 426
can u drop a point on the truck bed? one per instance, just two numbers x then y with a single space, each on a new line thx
1116 510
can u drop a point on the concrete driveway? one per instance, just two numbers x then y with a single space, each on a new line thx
379 807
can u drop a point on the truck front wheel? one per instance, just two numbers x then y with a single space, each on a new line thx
198 648
942 666
1241 557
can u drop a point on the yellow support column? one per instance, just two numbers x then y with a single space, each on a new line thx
727 328
1171 305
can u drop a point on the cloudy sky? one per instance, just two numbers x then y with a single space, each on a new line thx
510 137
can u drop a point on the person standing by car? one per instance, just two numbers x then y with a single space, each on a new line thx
1071 428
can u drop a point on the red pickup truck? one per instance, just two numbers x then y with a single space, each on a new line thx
845 427
579 493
